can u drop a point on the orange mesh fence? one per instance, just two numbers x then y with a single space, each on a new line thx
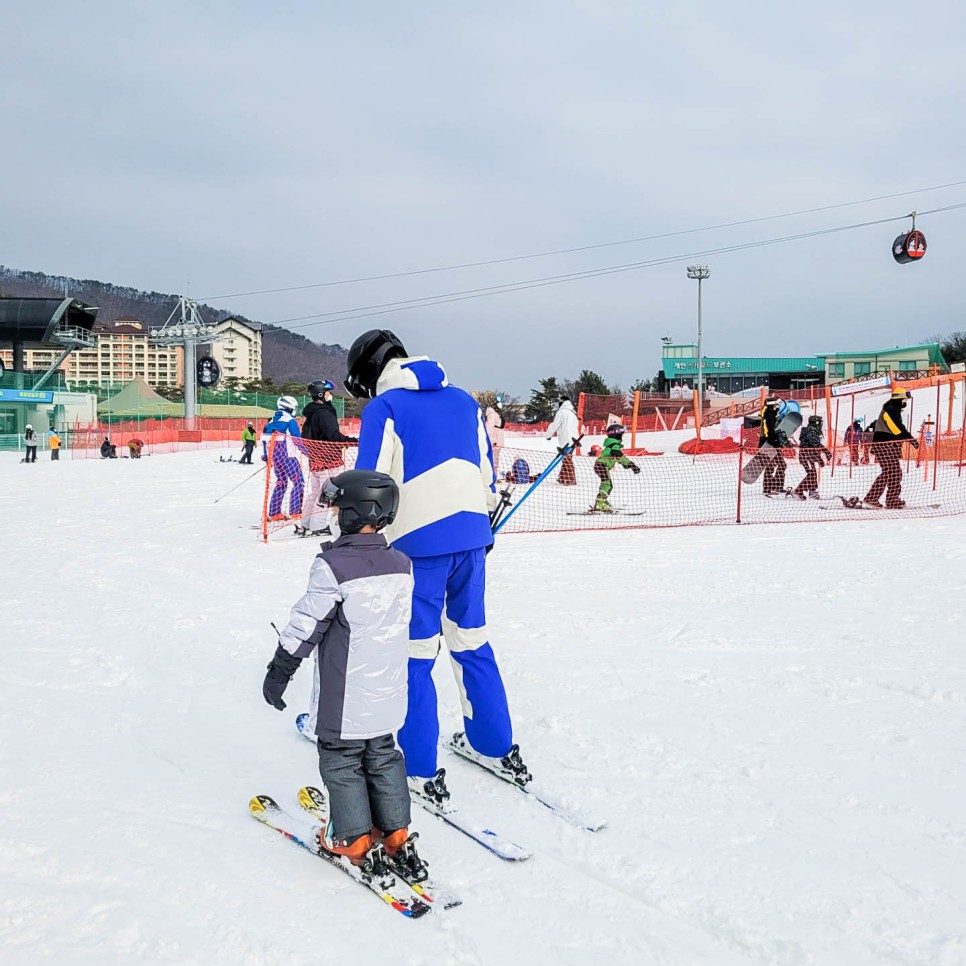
157 435
297 471
678 490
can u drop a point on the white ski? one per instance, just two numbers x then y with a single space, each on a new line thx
458 745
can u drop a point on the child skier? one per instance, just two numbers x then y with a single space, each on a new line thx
610 455
355 616
285 462
810 452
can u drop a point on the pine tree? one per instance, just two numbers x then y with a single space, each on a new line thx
543 401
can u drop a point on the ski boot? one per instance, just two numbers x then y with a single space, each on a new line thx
324 532
357 851
513 763
798 495
601 506
509 767
400 848
896 505
432 790
872 503
301 531
813 495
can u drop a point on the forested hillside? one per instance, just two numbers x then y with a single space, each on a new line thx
286 355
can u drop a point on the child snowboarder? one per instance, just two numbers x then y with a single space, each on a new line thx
610 455
355 617
810 452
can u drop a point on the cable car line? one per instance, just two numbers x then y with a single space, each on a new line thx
581 248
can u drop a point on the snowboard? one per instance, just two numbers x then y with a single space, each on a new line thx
756 465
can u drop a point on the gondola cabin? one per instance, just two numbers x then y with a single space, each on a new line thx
910 246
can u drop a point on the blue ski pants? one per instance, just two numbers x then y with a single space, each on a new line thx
448 600
287 470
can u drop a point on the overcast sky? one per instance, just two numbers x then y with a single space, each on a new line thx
231 146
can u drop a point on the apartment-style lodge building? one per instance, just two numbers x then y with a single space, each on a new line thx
124 350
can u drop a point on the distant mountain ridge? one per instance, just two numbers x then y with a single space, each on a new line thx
286 355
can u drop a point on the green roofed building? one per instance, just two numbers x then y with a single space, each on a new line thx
841 366
732 374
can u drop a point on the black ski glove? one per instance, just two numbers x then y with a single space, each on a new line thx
915 443
634 468
280 670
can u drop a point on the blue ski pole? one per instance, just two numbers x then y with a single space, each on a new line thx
562 452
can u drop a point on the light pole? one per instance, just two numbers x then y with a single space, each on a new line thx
700 272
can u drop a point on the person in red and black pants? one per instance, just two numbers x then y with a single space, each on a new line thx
810 452
888 435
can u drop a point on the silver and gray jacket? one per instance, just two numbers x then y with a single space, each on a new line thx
355 616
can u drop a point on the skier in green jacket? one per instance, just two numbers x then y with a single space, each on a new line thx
611 455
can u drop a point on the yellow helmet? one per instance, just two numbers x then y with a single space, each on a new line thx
901 394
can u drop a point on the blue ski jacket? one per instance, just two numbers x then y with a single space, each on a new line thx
281 422
430 438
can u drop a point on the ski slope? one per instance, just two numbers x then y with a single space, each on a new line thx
772 718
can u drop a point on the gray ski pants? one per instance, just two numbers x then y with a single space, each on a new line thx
366 785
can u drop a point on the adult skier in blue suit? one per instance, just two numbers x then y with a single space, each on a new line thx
430 438
284 461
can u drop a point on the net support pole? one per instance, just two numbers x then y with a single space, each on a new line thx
697 414
835 435
962 432
935 451
741 463
952 396
853 447
580 413
637 406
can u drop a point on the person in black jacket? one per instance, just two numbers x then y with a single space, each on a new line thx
30 444
775 438
325 457
888 433
811 449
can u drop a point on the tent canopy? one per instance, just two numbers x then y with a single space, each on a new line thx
137 398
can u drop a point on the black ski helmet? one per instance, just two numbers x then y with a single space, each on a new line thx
361 497
319 388
367 358
616 430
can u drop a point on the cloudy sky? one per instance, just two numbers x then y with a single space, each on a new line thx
225 147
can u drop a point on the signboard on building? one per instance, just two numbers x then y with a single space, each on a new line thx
25 395
691 365
846 389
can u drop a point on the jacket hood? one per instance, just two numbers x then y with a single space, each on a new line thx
567 404
418 373
313 407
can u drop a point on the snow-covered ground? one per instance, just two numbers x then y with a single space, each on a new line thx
773 719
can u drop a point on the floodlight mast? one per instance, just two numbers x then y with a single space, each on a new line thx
699 272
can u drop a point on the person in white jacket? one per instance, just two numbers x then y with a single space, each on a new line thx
495 421
567 428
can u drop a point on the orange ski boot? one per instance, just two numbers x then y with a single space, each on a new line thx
400 847
354 850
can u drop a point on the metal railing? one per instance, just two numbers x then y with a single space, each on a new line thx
27 380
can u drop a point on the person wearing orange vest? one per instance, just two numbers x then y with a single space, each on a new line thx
53 441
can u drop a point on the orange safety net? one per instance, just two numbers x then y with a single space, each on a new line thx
298 469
